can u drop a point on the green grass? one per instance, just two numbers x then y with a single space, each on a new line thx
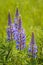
31 12
32 20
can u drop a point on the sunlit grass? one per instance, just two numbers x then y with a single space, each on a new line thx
32 20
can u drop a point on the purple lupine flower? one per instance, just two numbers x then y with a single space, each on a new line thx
15 34
19 23
16 23
19 34
16 19
10 29
17 13
32 47
9 19
10 32
21 39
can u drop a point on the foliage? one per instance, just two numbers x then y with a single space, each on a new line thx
32 16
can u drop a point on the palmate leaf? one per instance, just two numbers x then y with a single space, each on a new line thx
2 46
1 59
9 54
5 53
3 50
40 60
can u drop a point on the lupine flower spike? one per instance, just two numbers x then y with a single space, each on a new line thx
32 47
10 28
17 13
9 19
16 19
16 24
21 38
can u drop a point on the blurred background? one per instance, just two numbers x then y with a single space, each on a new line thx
31 12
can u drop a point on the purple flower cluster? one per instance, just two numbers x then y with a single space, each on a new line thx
21 39
9 19
10 29
32 47
10 32
19 35
15 31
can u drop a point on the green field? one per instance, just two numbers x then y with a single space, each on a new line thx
31 12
